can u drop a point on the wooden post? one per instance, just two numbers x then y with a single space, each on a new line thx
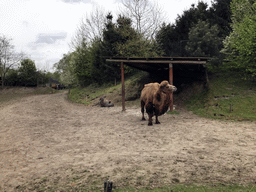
206 80
170 74
108 186
123 87
171 82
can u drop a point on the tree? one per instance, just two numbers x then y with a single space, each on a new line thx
240 45
65 67
82 66
168 39
220 14
145 15
174 37
12 77
203 40
121 39
28 73
8 57
90 28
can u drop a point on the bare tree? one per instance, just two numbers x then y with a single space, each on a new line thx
90 27
8 57
146 16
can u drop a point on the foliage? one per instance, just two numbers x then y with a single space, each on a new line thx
220 14
8 57
88 62
173 38
204 41
145 15
28 73
82 66
87 94
13 77
65 67
240 44
90 28
168 38
224 92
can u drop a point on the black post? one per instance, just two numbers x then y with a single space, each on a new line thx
108 186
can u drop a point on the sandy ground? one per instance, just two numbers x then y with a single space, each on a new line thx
49 141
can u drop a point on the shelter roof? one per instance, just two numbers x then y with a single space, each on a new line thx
153 64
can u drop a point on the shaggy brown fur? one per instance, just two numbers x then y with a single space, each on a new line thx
156 99
106 103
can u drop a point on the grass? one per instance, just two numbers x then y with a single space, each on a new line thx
228 98
193 188
88 94
174 112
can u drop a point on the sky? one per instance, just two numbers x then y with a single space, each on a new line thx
43 29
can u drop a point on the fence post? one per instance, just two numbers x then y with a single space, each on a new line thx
171 82
108 186
123 86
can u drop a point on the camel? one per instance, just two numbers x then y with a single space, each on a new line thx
106 103
156 98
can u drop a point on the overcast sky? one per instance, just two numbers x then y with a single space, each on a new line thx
43 29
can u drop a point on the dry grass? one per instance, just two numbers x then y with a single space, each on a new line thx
9 95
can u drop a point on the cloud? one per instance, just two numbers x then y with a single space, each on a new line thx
50 38
76 1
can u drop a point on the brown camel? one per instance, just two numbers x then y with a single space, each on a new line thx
106 103
156 99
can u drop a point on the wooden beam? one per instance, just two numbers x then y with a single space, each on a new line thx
171 82
156 61
123 87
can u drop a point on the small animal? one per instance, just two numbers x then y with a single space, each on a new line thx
106 103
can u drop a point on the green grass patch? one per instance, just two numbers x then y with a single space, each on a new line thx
88 94
73 186
174 112
193 188
228 98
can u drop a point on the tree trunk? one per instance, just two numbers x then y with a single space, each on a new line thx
2 80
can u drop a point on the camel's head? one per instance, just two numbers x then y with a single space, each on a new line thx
101 99
166 87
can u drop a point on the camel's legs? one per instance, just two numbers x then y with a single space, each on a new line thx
142 110
150 119
157 122
156 114
150 112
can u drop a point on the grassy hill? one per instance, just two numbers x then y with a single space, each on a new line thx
228 97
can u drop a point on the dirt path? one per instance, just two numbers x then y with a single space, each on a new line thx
52 142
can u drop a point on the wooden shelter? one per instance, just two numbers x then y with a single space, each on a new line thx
157 65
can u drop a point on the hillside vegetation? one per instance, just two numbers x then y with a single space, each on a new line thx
228 97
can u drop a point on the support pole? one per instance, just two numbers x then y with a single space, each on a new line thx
123 87
171 82
206 80
170 74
